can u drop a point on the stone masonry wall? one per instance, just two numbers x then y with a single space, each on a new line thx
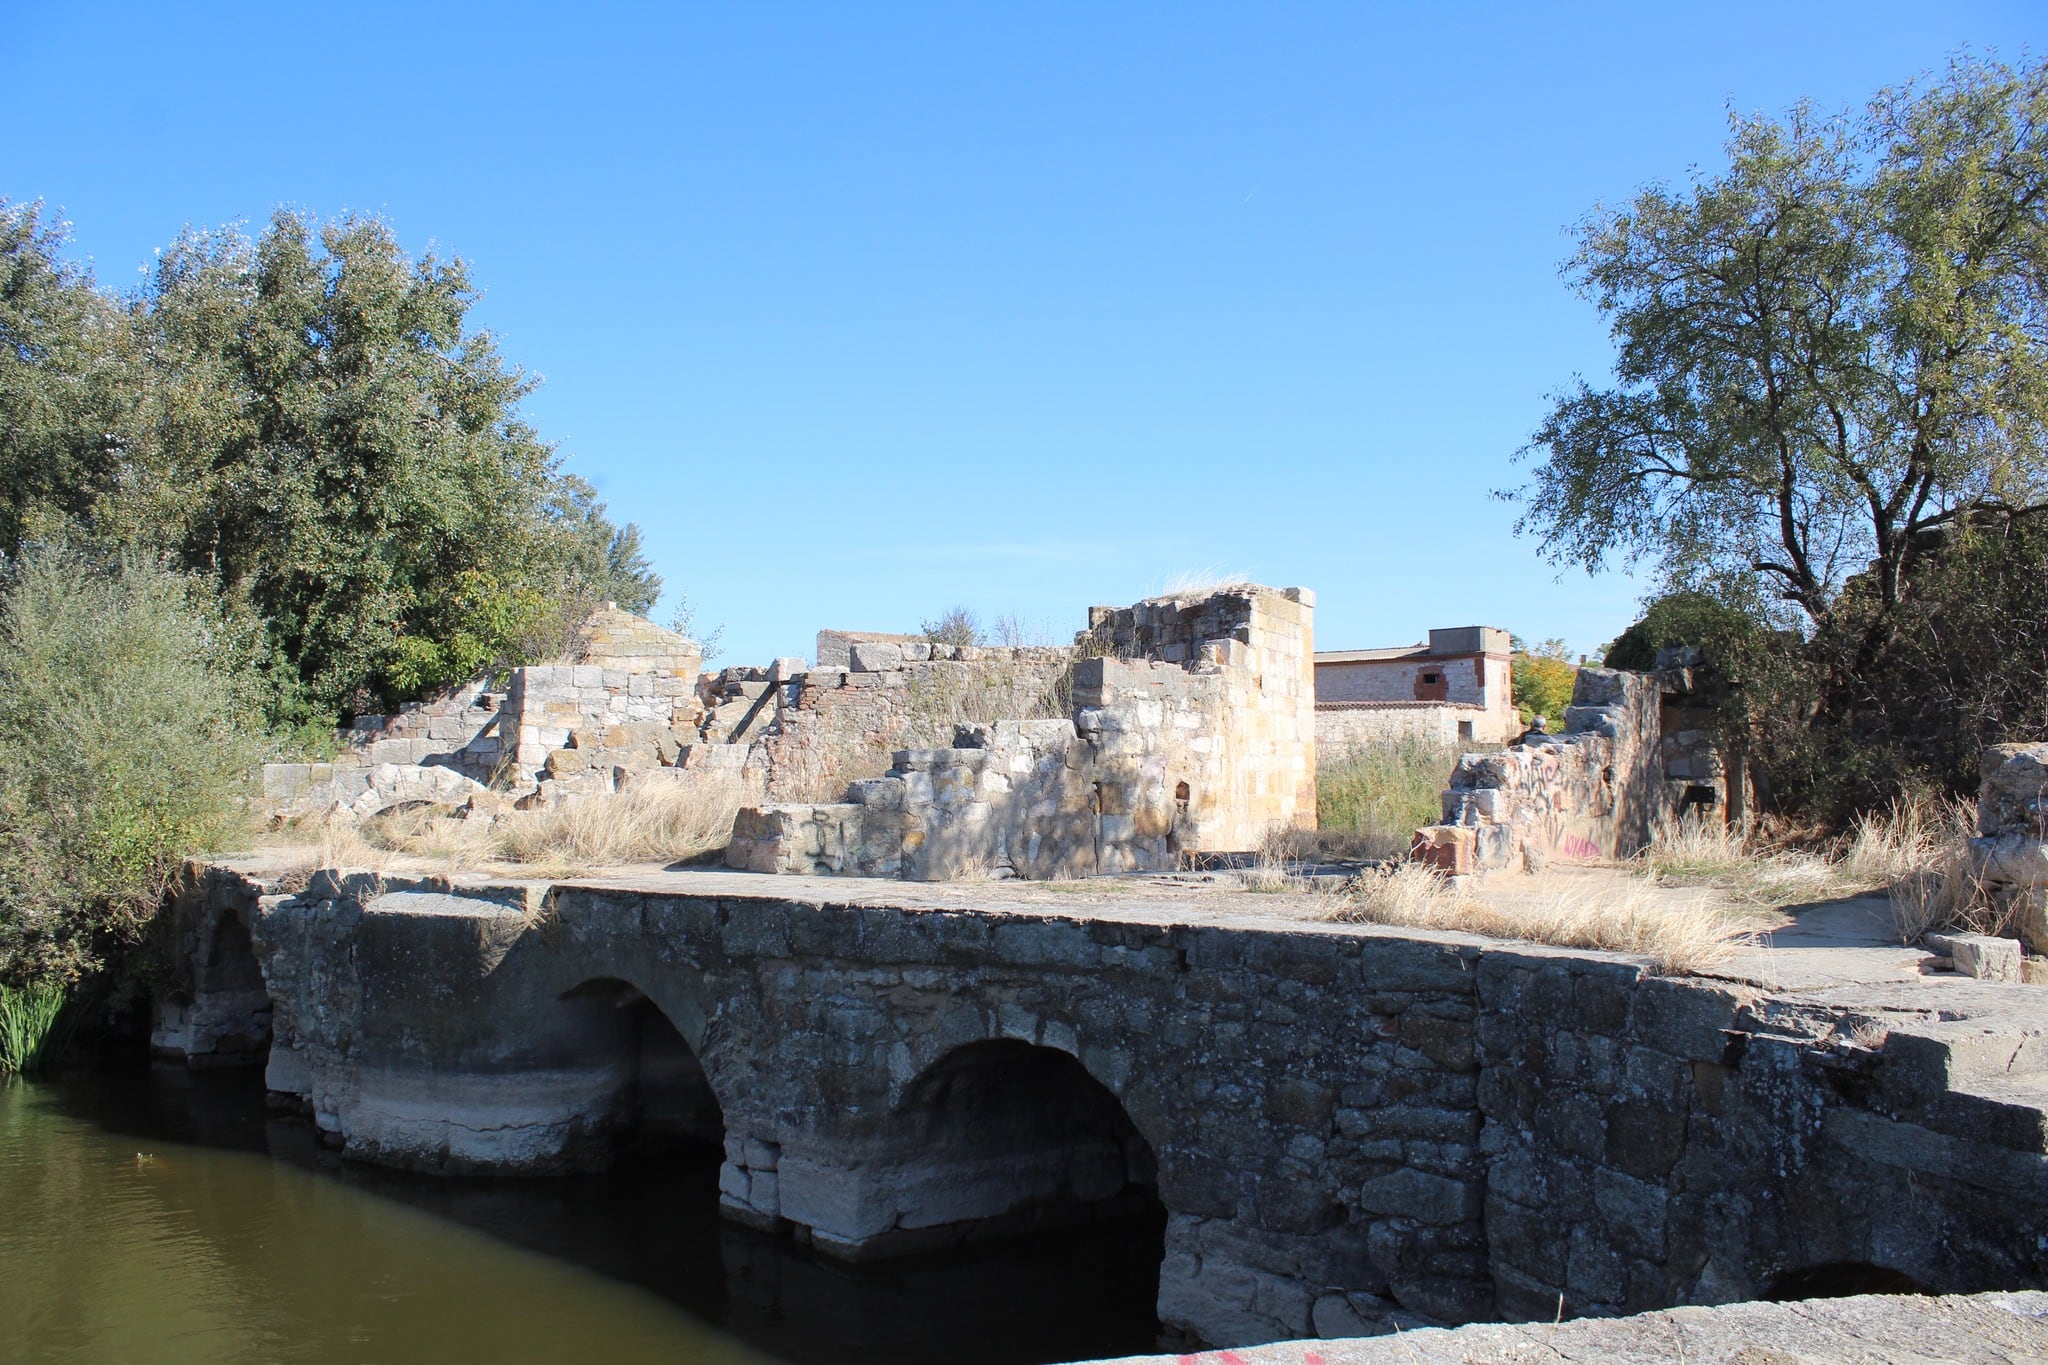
1194 731
2011 847
1262 642
1341 726
1350 1127
1593 792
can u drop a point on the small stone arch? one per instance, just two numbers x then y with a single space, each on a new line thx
1004 1137
659 1094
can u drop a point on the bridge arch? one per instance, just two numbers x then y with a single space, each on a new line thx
657 1092
1002 1137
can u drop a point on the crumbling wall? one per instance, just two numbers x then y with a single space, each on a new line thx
1260 644
1192 729
2011 847
1596 791
831 726
626 685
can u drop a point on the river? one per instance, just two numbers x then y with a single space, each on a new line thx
169 1216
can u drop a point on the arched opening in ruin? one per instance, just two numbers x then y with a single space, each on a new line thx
1841 1280
1001 1138
661 1100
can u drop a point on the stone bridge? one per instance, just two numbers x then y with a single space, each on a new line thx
1346 1126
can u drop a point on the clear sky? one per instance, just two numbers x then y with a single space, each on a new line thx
862 311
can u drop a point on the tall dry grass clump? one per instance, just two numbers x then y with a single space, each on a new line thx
653 821
659 821
1677 937
1915 851
1370 799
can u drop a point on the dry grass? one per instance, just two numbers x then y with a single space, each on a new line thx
1677 936
1696 853
1917 852
651 822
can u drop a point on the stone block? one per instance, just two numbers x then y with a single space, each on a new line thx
1980 955
1450 849
869 656
1431 1199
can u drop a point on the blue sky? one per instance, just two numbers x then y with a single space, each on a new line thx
862 311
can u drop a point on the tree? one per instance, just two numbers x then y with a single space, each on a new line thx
67 380
309 420
955 626
1543 678
1678 619
1828 356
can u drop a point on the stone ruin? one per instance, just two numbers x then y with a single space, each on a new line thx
1637 749
1191 728
1181 724
2010 851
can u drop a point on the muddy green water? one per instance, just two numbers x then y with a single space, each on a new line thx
167 1216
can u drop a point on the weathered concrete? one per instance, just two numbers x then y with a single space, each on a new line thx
1982 1329
1347 1125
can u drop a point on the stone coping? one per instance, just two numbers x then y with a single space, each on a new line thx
1848 973
1872 1329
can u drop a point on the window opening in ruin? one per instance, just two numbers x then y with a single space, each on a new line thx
1464 729
664 1104
1002 1138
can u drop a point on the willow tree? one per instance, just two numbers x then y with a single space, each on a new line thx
1830 356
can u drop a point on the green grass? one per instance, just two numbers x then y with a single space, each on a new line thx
30 1034
1371 799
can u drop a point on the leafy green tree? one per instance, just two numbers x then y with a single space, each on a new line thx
1828 354
347 451
1829 412
67 380
1677 619
127 708
1543 678
309 420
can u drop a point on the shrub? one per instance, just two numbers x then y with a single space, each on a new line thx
123 749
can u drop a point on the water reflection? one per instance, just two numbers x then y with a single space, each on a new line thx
170 1216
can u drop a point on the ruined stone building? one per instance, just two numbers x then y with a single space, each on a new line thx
1180 724
1457 688
1187 725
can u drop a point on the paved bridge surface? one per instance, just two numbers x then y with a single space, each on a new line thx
1347 1126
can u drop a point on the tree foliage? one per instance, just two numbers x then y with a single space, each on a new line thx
1828 430
128 700
309 420
1542 677
1825 355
